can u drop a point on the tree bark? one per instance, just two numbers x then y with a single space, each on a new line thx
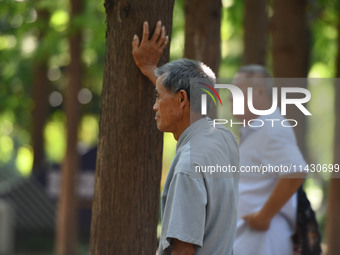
67 210
202 32
333 220
290 39
39 115
128 171
255 32
40 97
203 35
291 52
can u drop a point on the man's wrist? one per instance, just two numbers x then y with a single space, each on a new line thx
266 215
149 72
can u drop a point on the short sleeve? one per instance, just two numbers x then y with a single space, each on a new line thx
185 211
283 151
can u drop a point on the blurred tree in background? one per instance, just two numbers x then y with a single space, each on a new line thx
291 53
255 23
41 85
67 219
202 32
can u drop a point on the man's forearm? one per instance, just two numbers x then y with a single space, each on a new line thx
283 191
182 248
150 73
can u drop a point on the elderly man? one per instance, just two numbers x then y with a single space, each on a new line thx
198 208
267 203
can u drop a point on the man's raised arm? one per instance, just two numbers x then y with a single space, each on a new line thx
148 52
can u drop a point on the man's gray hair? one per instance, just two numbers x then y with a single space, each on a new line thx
259 75
182 73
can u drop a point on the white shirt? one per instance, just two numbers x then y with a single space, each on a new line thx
263 147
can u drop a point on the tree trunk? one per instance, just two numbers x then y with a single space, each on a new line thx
39 115
67 211
202 32
128 171
291 51
255 32
203 35
40 97
333 220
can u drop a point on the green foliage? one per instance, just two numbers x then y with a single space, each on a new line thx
231 38
323 20
321 124
30 32
177 33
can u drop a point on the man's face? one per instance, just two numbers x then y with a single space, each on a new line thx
167 108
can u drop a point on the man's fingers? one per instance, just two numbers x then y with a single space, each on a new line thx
135 42
165 43
246 217
158 41
157 32
145 37
162 37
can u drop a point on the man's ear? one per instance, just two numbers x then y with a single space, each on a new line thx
183 97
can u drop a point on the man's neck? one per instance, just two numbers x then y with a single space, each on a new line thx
186 123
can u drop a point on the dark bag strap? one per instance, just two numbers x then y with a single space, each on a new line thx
307 238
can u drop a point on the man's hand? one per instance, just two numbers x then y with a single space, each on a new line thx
148 52
257 221
282 192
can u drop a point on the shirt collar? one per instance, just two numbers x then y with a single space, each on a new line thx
191 130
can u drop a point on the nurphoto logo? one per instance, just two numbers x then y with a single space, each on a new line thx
295 96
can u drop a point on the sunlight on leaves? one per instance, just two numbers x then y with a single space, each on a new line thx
24 160
55 141
59 20
6 148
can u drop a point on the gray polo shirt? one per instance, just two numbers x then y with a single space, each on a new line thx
199 206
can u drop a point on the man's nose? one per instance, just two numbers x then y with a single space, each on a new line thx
155 107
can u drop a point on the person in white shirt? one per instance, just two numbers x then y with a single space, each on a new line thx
267 206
